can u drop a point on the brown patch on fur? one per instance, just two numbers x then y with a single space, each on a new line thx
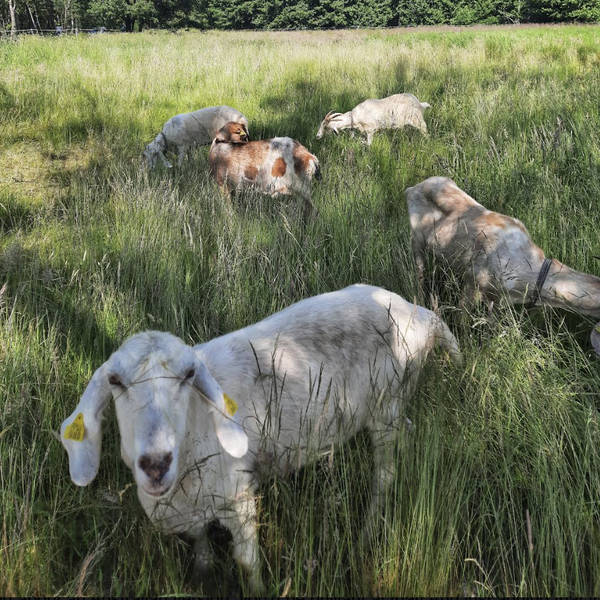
302 159
250 172
279 168
494 219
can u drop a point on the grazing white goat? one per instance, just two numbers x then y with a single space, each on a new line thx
196 128
199 424
277 166
493 252
393 112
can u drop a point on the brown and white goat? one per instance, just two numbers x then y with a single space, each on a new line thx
277 166
493 252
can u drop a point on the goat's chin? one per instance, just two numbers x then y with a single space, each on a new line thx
156 491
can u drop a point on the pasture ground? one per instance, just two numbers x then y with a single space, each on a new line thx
92 249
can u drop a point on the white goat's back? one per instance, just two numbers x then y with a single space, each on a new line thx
315 372
200 127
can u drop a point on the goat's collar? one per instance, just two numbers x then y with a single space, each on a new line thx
164 138
539 284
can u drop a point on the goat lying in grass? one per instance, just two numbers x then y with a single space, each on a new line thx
393 112
278 166
198 423
196 128
493 252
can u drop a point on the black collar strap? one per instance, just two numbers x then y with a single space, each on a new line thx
539 284
164 138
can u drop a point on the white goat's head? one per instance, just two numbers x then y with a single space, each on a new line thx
328 124
153 377
153 150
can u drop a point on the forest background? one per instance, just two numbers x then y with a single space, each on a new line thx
136 15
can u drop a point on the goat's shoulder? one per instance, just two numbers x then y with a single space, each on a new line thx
443 194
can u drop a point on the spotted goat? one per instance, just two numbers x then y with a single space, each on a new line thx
277 166
493 253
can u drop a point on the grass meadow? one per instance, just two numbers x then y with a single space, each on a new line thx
498 488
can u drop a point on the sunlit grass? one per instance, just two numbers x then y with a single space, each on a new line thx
92 249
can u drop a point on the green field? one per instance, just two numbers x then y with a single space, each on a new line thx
93 249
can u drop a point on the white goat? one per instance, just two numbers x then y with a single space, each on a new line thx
393 112
493 252
196 128
197 424
277 166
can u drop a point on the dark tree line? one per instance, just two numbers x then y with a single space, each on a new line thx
133 15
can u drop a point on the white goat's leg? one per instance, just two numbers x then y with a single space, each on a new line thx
369 138
384 474
243 528
204 558
418 251
181 150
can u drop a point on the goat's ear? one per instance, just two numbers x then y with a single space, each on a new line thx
595 337
223 135
230 435
81 432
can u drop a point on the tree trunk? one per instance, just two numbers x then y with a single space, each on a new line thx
32 17
13 17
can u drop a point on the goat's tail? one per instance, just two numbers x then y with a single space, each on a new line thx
446 340
425 105
317 171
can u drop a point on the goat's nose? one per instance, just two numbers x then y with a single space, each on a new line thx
155 466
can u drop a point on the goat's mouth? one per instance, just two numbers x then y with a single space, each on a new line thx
156 490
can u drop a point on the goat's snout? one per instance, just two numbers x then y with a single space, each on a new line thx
155 466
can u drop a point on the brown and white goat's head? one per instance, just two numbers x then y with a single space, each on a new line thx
154 379
232 133
329 124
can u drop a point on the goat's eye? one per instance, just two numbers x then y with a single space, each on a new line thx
189 374
115 380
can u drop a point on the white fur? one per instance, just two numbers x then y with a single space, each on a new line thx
304 378
186 130
393 112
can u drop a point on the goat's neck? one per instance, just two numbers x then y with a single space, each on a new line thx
568 288
161 141
344 121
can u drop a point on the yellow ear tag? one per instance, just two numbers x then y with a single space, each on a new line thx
597 328
230 405
76 430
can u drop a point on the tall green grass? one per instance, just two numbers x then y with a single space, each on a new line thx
93 249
